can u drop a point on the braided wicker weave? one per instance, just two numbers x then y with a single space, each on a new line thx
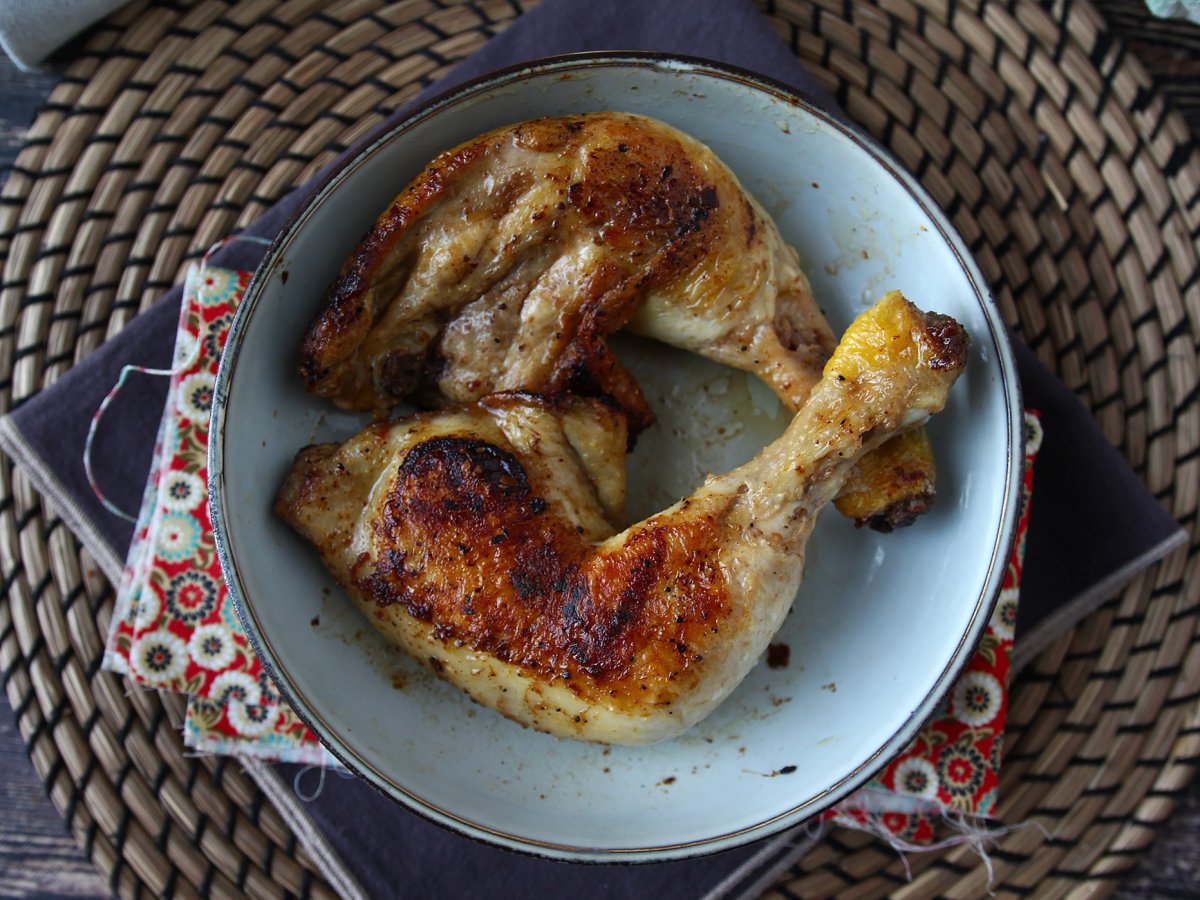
1074 184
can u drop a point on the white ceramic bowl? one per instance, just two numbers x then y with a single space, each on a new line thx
882 623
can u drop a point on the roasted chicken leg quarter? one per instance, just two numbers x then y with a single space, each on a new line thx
481 539
507 262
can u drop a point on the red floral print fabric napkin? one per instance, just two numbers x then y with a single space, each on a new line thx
175 627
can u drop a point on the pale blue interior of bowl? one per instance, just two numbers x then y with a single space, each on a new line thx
880 621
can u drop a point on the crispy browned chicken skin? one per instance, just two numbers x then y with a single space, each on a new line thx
506 263
481 538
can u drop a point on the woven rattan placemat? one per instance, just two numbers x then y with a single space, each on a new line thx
1075 186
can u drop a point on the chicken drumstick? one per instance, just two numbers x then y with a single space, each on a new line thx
480 539
506 263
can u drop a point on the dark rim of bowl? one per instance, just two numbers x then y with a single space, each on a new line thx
924 710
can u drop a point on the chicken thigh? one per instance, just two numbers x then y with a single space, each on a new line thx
506 263
481 539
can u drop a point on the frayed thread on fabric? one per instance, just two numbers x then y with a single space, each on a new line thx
971 831
179 365
309 797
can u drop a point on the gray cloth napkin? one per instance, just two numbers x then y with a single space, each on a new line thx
1082 544
30 30
1175 9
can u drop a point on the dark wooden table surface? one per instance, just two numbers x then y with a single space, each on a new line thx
38 858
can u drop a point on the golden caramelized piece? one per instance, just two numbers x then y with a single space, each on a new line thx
509 260
479 539
892 486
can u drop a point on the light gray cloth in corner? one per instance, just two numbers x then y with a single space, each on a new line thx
1175 9
30 30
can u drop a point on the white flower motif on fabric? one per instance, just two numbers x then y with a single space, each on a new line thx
195 397
214 285
182 491
146 609
251 720
917 777
977 698
211 646
178 537
234 686
1004 619
159 657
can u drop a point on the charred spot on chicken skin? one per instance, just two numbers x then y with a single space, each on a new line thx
539 598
